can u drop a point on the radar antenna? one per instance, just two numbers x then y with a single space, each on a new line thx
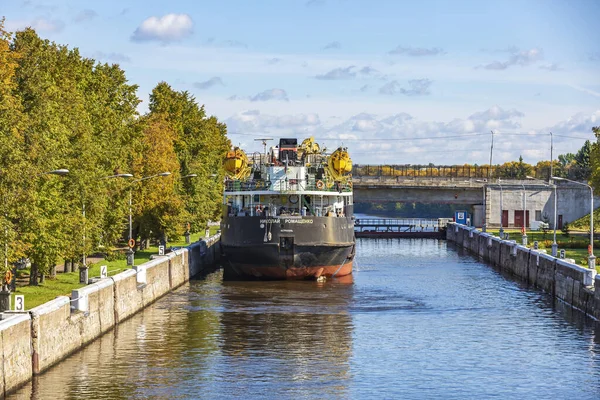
264 143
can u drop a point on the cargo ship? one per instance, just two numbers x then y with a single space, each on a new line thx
288 213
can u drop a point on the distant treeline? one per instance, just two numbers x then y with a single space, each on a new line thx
60 110
572 166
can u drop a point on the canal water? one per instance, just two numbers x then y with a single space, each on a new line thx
422 319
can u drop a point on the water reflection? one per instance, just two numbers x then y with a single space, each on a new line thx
421 320
302 330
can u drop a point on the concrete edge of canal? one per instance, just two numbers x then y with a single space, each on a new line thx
568 282
33 341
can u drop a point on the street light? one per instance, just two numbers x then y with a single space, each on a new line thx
554 244
591 258
524 237
484 181
5 294
131 242
187 225
83 270
501 231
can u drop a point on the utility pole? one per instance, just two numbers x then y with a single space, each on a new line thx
551 157
491 152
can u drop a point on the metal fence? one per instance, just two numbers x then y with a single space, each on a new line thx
444 171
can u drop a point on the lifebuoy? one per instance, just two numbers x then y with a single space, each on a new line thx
293 198
8 277
131 243
350 185
320 185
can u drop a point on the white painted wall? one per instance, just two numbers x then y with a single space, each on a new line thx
573 202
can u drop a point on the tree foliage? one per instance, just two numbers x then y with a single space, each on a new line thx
61 110
595 161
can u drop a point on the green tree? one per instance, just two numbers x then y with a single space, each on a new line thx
80 116
515 170
160 212
13 165
200 145
580 167
595 161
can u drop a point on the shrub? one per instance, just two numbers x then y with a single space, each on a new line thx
566 229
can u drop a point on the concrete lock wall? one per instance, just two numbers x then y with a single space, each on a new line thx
15 345
33 342
573 284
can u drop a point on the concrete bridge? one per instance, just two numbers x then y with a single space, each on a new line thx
513 202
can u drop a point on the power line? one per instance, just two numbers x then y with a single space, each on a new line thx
378 139
457 136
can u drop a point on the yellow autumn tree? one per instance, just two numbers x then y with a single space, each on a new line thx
159 210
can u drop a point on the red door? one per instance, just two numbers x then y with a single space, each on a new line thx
518 218
560 222
504 218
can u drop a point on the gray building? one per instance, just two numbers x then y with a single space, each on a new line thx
507 202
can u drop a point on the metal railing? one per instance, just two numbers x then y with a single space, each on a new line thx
287 185
447 171
400 224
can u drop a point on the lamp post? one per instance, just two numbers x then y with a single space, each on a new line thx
524 231
591 258
131 241
484 181
501 231
187 225
5 288
83 269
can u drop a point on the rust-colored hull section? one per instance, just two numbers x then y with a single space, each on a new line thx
328 271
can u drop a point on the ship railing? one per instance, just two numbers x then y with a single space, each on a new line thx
283 212
233 185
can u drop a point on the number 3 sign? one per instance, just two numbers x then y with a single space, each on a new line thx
19 302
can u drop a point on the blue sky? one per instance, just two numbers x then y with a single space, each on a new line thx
394 81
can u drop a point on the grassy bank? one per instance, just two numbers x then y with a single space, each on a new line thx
63 283
575 243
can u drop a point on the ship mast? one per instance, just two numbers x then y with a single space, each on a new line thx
264 142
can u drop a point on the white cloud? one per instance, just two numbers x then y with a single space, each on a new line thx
580 124
332 46
214 81
271 94
417 87
39 24
350 72
168 28
401 138
522 58
551 67
417 51
254 121
114 57
85 15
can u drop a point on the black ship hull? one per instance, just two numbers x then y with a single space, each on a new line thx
287 247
